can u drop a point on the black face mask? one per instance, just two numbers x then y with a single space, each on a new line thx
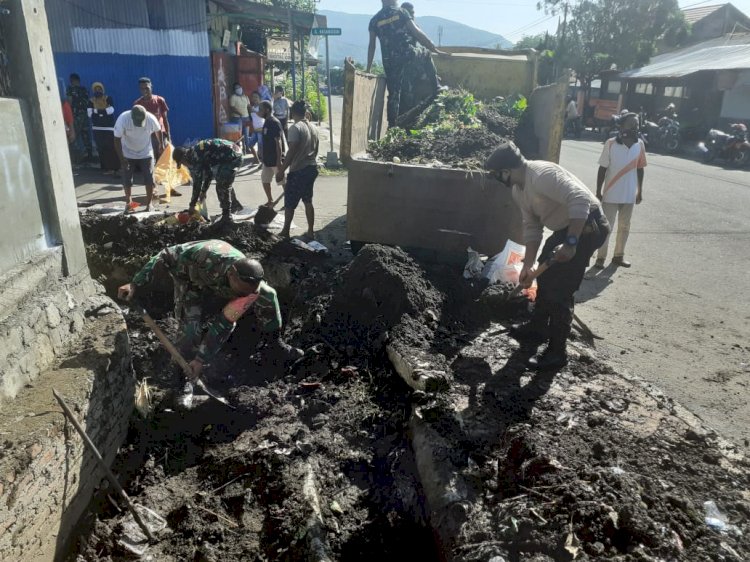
503 176
628 134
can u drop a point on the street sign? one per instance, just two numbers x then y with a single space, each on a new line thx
326 31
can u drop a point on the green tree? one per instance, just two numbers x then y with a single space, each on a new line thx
304 5
540 42
601 34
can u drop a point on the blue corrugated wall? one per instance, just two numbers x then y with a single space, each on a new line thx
185 82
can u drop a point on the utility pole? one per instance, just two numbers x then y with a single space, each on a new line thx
563 33
440 36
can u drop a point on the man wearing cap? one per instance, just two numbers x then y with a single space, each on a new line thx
550 196
134 132
218 158
402 45
221 270
619 185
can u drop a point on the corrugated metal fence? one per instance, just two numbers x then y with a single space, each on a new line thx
116 42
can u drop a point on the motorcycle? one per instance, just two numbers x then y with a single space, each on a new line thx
734 147
664 135
669 134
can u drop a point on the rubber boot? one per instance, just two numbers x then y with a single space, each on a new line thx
535 330
225 220
279 349
556 355
236 205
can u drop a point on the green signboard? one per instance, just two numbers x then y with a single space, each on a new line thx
326 31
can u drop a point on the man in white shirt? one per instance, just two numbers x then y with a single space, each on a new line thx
134 130
619 185
550 196
571 117
256 138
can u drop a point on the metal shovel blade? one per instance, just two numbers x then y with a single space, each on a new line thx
265 215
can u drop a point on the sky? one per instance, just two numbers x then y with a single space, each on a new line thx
510 18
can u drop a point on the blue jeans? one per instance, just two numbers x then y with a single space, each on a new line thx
251 139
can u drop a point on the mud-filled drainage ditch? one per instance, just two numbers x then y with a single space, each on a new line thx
338 458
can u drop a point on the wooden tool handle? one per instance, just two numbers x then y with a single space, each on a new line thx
100 461
277 200
176 355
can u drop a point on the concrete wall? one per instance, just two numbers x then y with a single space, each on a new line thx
547 107
33 71
56 325
429 208
736 104
46 475
488 73
364 115
22 225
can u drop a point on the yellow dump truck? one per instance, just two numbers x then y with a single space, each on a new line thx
439 209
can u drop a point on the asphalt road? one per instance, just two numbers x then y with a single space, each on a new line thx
680 317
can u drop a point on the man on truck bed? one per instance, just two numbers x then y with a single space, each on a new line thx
550 196
403 45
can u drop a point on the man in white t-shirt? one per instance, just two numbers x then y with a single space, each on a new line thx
256 137
134 130
619 185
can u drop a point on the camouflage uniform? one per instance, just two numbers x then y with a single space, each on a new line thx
401 54
79 102
218 158
202 266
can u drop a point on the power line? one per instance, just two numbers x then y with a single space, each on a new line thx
529 26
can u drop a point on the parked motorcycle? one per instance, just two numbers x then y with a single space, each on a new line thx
662 136
734 147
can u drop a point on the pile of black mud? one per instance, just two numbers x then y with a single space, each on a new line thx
337 458
118 246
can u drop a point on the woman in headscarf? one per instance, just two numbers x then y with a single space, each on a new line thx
102 113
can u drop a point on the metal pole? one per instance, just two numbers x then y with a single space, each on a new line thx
100 461
328 78
294 64
317 84
302 58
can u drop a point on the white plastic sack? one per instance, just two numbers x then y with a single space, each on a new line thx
474 266
506 266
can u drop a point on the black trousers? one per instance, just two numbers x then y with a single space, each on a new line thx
557 285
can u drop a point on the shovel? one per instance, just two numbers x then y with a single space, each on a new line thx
177 356
266 214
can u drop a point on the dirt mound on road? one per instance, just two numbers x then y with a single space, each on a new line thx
337 457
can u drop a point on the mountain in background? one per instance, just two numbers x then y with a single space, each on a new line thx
355 37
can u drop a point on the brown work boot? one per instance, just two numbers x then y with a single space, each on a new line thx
620 261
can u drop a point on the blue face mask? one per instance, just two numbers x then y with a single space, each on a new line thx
98 94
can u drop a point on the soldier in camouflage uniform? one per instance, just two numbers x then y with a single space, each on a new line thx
219 268
402 45
78 97
212 157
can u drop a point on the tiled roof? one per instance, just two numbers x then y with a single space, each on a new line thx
696 14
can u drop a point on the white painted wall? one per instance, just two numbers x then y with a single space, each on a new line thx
737 100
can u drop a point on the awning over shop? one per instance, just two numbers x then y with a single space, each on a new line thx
677 65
